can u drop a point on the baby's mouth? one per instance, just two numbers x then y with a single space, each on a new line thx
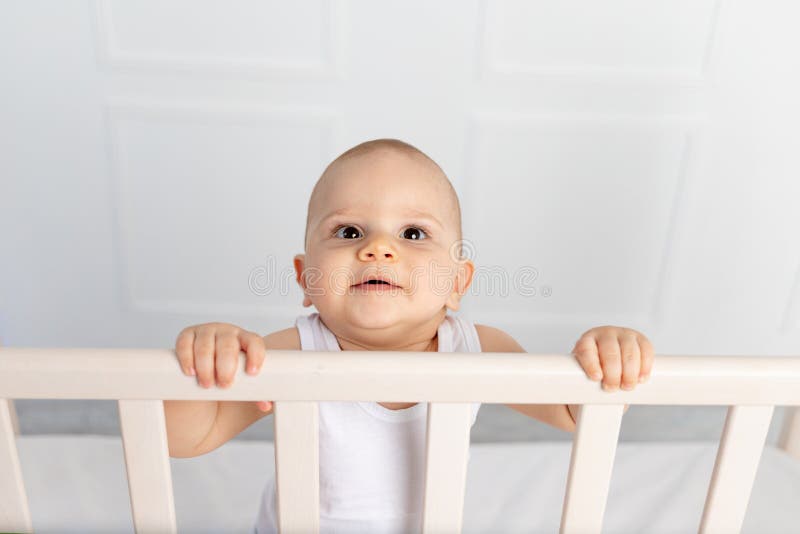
377 281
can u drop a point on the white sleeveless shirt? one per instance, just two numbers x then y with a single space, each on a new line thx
371 458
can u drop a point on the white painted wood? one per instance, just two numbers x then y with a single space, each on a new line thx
790 432
448 382
417 376
15 514
591 461
297 466
144 440
447 456
12 413
735 468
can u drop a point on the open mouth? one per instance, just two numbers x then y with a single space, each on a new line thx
376 283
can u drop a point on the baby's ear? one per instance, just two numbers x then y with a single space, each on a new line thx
299 266
464 271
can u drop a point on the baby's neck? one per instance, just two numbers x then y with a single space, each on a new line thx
431 345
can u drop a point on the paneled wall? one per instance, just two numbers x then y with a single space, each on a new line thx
618 162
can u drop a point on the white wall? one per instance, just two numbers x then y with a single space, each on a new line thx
641 157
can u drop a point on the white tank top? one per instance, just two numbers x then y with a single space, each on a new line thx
371 459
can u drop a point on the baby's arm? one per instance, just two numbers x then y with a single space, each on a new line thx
557 415
615 355
197 427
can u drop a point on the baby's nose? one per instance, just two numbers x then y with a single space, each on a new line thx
378 248
384 254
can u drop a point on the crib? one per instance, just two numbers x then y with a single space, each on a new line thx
139 379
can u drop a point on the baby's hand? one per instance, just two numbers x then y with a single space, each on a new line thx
210 348
612 353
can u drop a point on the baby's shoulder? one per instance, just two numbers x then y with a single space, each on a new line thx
495 340
286 339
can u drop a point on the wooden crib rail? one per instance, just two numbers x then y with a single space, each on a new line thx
296 380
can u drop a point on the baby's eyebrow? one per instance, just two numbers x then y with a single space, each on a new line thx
409 211
340 211
424 215
334 213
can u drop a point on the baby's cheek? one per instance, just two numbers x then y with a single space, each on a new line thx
418 277
442 286
336 285
434 279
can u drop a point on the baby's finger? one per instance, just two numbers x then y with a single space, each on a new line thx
264 406
631 358
648 355
585 352
204 356
254 346
183 349
227 361
610 360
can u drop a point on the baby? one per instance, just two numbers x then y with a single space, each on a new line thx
382 266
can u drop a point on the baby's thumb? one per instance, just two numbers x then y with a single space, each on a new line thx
264 406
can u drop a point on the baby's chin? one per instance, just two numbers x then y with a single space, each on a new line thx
373 317
378 316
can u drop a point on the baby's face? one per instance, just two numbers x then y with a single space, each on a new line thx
382 214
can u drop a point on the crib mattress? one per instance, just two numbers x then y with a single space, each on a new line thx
77 483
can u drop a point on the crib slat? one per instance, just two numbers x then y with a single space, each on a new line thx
297 466
144 440
447 446
15 515
12 412
735 468
591 461
789 440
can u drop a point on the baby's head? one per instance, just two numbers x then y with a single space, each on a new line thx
383 209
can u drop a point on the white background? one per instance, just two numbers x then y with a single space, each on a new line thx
641 157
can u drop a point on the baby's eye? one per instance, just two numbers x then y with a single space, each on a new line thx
414 233
349 231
